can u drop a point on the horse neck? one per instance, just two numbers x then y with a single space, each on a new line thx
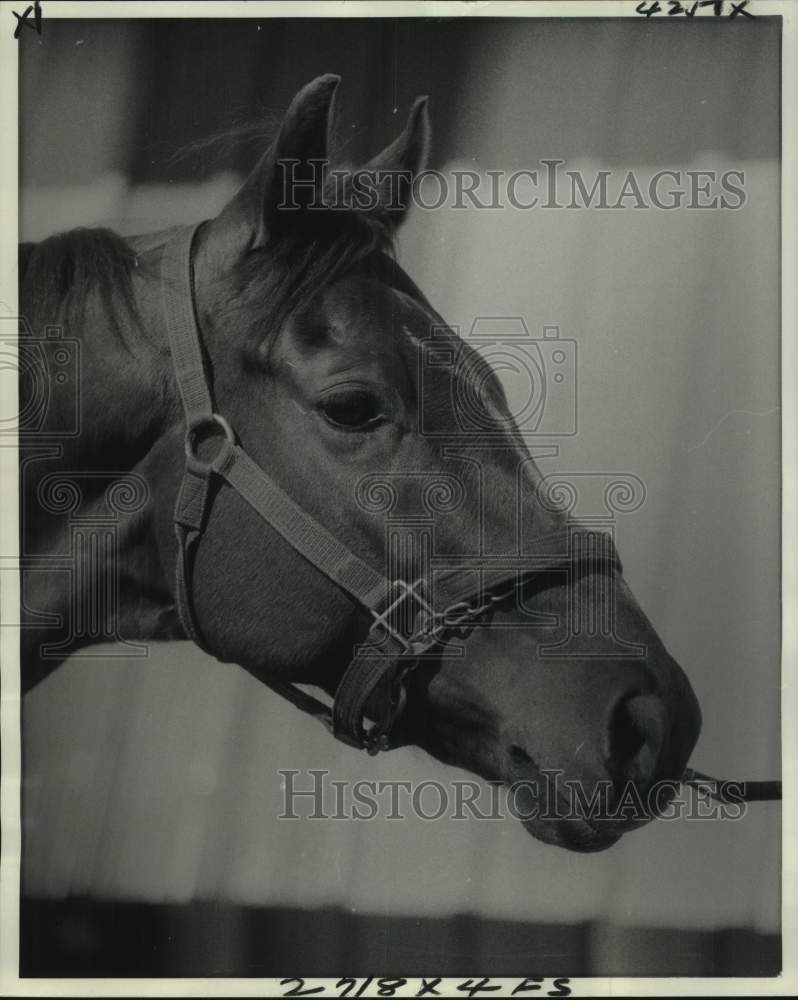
85 497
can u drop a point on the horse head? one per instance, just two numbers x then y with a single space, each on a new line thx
344 385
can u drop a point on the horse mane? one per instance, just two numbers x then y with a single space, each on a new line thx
58 274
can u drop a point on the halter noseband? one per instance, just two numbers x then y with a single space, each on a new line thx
388 653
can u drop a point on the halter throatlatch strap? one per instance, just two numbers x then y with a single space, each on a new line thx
386 655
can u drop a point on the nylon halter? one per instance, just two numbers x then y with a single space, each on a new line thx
388 652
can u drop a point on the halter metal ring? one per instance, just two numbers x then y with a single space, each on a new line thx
202 428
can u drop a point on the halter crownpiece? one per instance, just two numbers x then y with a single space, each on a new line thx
389 652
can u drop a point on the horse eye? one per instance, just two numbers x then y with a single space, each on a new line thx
352 410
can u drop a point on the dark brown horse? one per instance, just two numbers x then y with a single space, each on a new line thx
315 348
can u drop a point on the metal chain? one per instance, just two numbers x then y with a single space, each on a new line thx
458 615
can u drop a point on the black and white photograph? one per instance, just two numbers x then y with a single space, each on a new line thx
397 495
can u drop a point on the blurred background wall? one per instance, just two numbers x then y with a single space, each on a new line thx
155 781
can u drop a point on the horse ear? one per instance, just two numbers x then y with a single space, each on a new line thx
409 151
289 173
399 164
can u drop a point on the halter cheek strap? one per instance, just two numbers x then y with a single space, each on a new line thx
387 654
234 466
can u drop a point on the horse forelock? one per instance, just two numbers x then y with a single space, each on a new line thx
267 286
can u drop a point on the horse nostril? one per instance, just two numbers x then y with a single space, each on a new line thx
519 757
636 736
626 737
